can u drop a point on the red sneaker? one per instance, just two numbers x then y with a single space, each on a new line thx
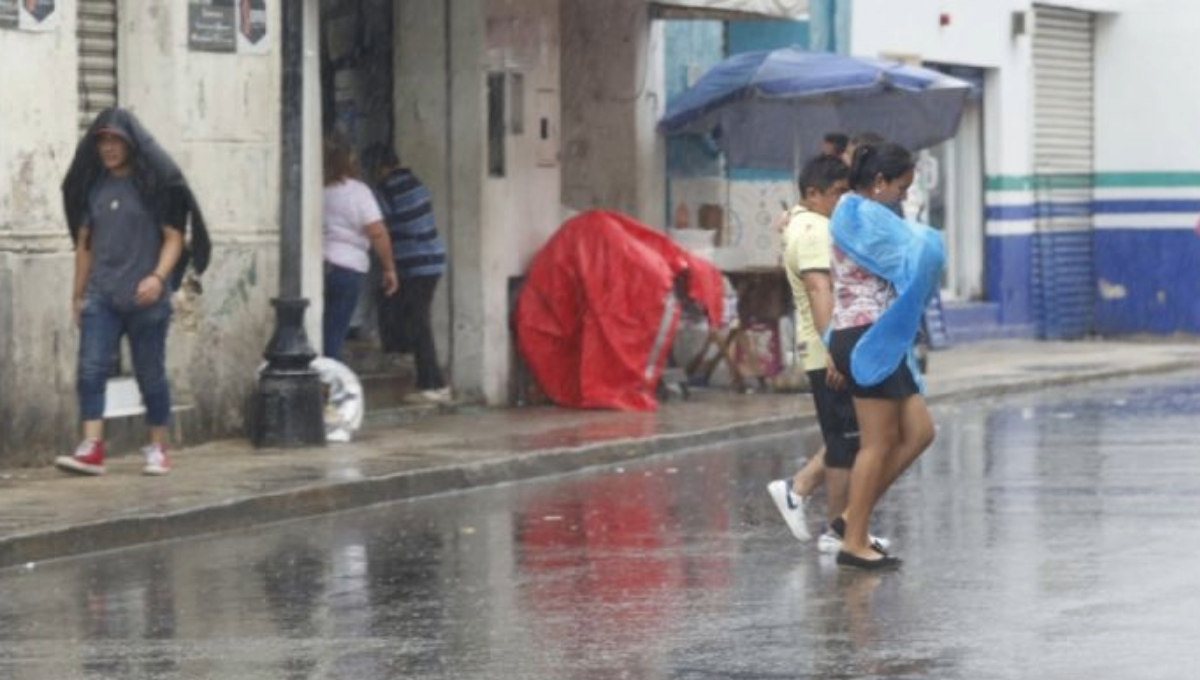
88 458
157 463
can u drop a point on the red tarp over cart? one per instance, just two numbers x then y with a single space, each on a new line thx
598 310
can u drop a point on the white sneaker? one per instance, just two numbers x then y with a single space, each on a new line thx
790 506
157 463
438 396
830 542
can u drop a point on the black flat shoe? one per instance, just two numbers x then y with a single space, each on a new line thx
845 559
838 527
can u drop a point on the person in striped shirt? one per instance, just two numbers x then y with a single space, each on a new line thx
420 256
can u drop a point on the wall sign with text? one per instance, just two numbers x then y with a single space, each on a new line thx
229 26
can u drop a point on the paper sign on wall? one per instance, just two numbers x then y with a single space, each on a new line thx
29 15
228 26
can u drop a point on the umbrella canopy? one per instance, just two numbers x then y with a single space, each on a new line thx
770 109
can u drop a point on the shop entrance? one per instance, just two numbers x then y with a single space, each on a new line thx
357 71
357 75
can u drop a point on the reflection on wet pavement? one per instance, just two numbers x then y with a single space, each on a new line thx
1043 537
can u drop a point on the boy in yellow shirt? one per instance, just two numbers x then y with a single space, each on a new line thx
807 246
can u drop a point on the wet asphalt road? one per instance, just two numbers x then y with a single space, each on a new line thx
1045 536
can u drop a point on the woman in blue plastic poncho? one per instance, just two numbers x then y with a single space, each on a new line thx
884 271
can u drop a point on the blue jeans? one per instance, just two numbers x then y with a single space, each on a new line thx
101 326
341 297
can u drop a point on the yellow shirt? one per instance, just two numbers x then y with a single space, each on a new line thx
806 247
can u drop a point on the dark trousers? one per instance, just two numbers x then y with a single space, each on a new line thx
405 326
341 297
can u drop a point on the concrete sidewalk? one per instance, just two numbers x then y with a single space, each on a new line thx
46 514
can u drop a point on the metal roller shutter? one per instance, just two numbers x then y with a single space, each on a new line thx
97 35
1064 281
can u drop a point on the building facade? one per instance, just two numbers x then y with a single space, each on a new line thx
1071 192
1069 198
1091 184
217 113
516 113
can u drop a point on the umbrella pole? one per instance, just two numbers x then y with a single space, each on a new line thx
796 166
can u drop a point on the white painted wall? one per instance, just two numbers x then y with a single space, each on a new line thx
38 134
38 129
978 34
522 209
493 226
218 115
1146 96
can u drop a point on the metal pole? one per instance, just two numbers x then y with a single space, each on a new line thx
291 149
289 405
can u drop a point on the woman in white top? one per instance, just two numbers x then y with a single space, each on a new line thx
894 424
352 225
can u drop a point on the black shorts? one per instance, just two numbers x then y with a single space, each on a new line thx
839 426
899 385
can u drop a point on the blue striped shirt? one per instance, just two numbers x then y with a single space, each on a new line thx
408 212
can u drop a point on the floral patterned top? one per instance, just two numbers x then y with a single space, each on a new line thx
859 297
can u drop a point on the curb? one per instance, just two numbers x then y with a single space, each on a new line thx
293 504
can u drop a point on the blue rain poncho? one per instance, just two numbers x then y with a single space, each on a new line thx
910 256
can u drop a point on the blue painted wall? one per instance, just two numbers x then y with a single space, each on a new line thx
1148 253
1149 281
691 45
751 36
1137 272
1009 273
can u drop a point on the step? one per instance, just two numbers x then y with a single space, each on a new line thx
978 321
386 390
407 414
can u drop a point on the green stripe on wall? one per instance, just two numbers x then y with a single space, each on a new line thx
1075 180
1111 180
1106 180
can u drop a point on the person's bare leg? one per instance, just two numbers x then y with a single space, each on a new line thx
93 429
916 434
879 431
811 476
158 435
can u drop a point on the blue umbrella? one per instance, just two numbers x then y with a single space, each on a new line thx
771 109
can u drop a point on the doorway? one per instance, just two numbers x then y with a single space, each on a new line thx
357 70
956 194
357 76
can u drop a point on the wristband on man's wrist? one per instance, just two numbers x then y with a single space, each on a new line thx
159 277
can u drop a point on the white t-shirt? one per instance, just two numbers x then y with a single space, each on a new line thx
349 207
